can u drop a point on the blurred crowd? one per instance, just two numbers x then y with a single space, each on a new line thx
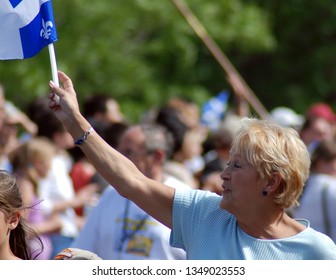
63 189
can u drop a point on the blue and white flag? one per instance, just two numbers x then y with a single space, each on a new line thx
26 27
214 109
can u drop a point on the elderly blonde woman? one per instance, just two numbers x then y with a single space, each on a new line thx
267 170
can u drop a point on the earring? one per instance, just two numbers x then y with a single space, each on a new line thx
264 193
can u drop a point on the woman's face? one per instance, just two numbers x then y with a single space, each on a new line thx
242 186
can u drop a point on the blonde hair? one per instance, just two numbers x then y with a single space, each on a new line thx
40 148
270 148
23 157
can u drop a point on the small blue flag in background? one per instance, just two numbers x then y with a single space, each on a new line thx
214 109
26 27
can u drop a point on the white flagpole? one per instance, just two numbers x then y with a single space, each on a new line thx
53 64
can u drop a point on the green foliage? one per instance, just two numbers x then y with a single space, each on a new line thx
142 52
303 67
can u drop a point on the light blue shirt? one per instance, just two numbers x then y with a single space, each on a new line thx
206 232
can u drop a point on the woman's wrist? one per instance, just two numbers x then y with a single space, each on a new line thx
77 126
83 138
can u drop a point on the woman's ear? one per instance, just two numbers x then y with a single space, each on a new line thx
14 220
273 182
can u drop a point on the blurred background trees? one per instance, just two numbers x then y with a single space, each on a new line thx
142 52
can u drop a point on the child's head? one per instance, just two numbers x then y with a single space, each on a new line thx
10 196
40 152
13 229
33 157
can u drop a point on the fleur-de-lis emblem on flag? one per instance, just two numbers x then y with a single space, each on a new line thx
46 30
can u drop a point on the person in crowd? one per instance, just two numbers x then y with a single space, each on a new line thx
217 152
4 161
101 109
185 147
321 110
189 113
211 180
218 145
287 117
128 232
318 201
268 167
31 162
15 127
14 232
56 189
320 124
314 130
2 104
83 172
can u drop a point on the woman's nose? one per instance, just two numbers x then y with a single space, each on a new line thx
225 175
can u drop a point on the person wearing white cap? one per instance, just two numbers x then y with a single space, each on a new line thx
287 117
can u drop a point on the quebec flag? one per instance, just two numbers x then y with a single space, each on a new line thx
26 27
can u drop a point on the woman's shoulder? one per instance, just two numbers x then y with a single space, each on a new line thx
313 236
199 201
199 194
322 245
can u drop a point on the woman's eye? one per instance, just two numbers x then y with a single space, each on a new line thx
236 165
